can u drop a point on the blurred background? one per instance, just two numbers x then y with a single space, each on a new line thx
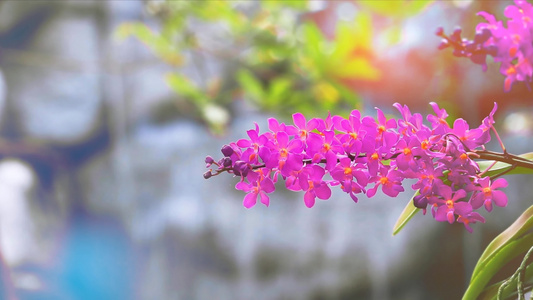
108 109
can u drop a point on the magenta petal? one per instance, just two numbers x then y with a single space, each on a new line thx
391 190
304 183
441 214
312 124
488 205
243 143
274 125
459 195
283 139
354 198
294 163
267 185
243 186
499 183
309 199
249 200
468 228
391 123
323 192
450 216
381 117
460 127
295 146
299 120
499 198
331 160
477 200
371 192
264 199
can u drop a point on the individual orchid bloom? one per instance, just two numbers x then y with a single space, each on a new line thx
380 128
407 150
470 217
258 186
275 126
465 134
346 170
390 181
324 147
285 154
326 124
439 119
427 177
313 185
411 123
352 188
303 126
485 127
352 138
256 143
488 193
447 202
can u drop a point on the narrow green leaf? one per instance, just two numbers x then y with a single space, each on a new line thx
501 166
407 214
184 87
251 85
279 87
495 262
518 228
510 290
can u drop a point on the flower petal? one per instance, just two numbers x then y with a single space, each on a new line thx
249 200
499 198
309 199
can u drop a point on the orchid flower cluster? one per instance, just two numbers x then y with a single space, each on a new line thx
361 155
511 46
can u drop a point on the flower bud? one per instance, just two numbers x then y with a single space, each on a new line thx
227 162
227 150
209 161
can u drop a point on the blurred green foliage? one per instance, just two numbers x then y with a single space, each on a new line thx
281 60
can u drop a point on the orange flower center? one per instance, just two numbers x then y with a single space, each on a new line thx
347 171
406 151
383 180
487 191
449 203
283 152
510 71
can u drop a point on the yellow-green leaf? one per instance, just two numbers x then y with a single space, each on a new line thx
407 214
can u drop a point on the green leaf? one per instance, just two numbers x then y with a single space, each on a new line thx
510 243
518 228
163 47
184 87
501 166
279 88
495 263
407 214
510 290
251 85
